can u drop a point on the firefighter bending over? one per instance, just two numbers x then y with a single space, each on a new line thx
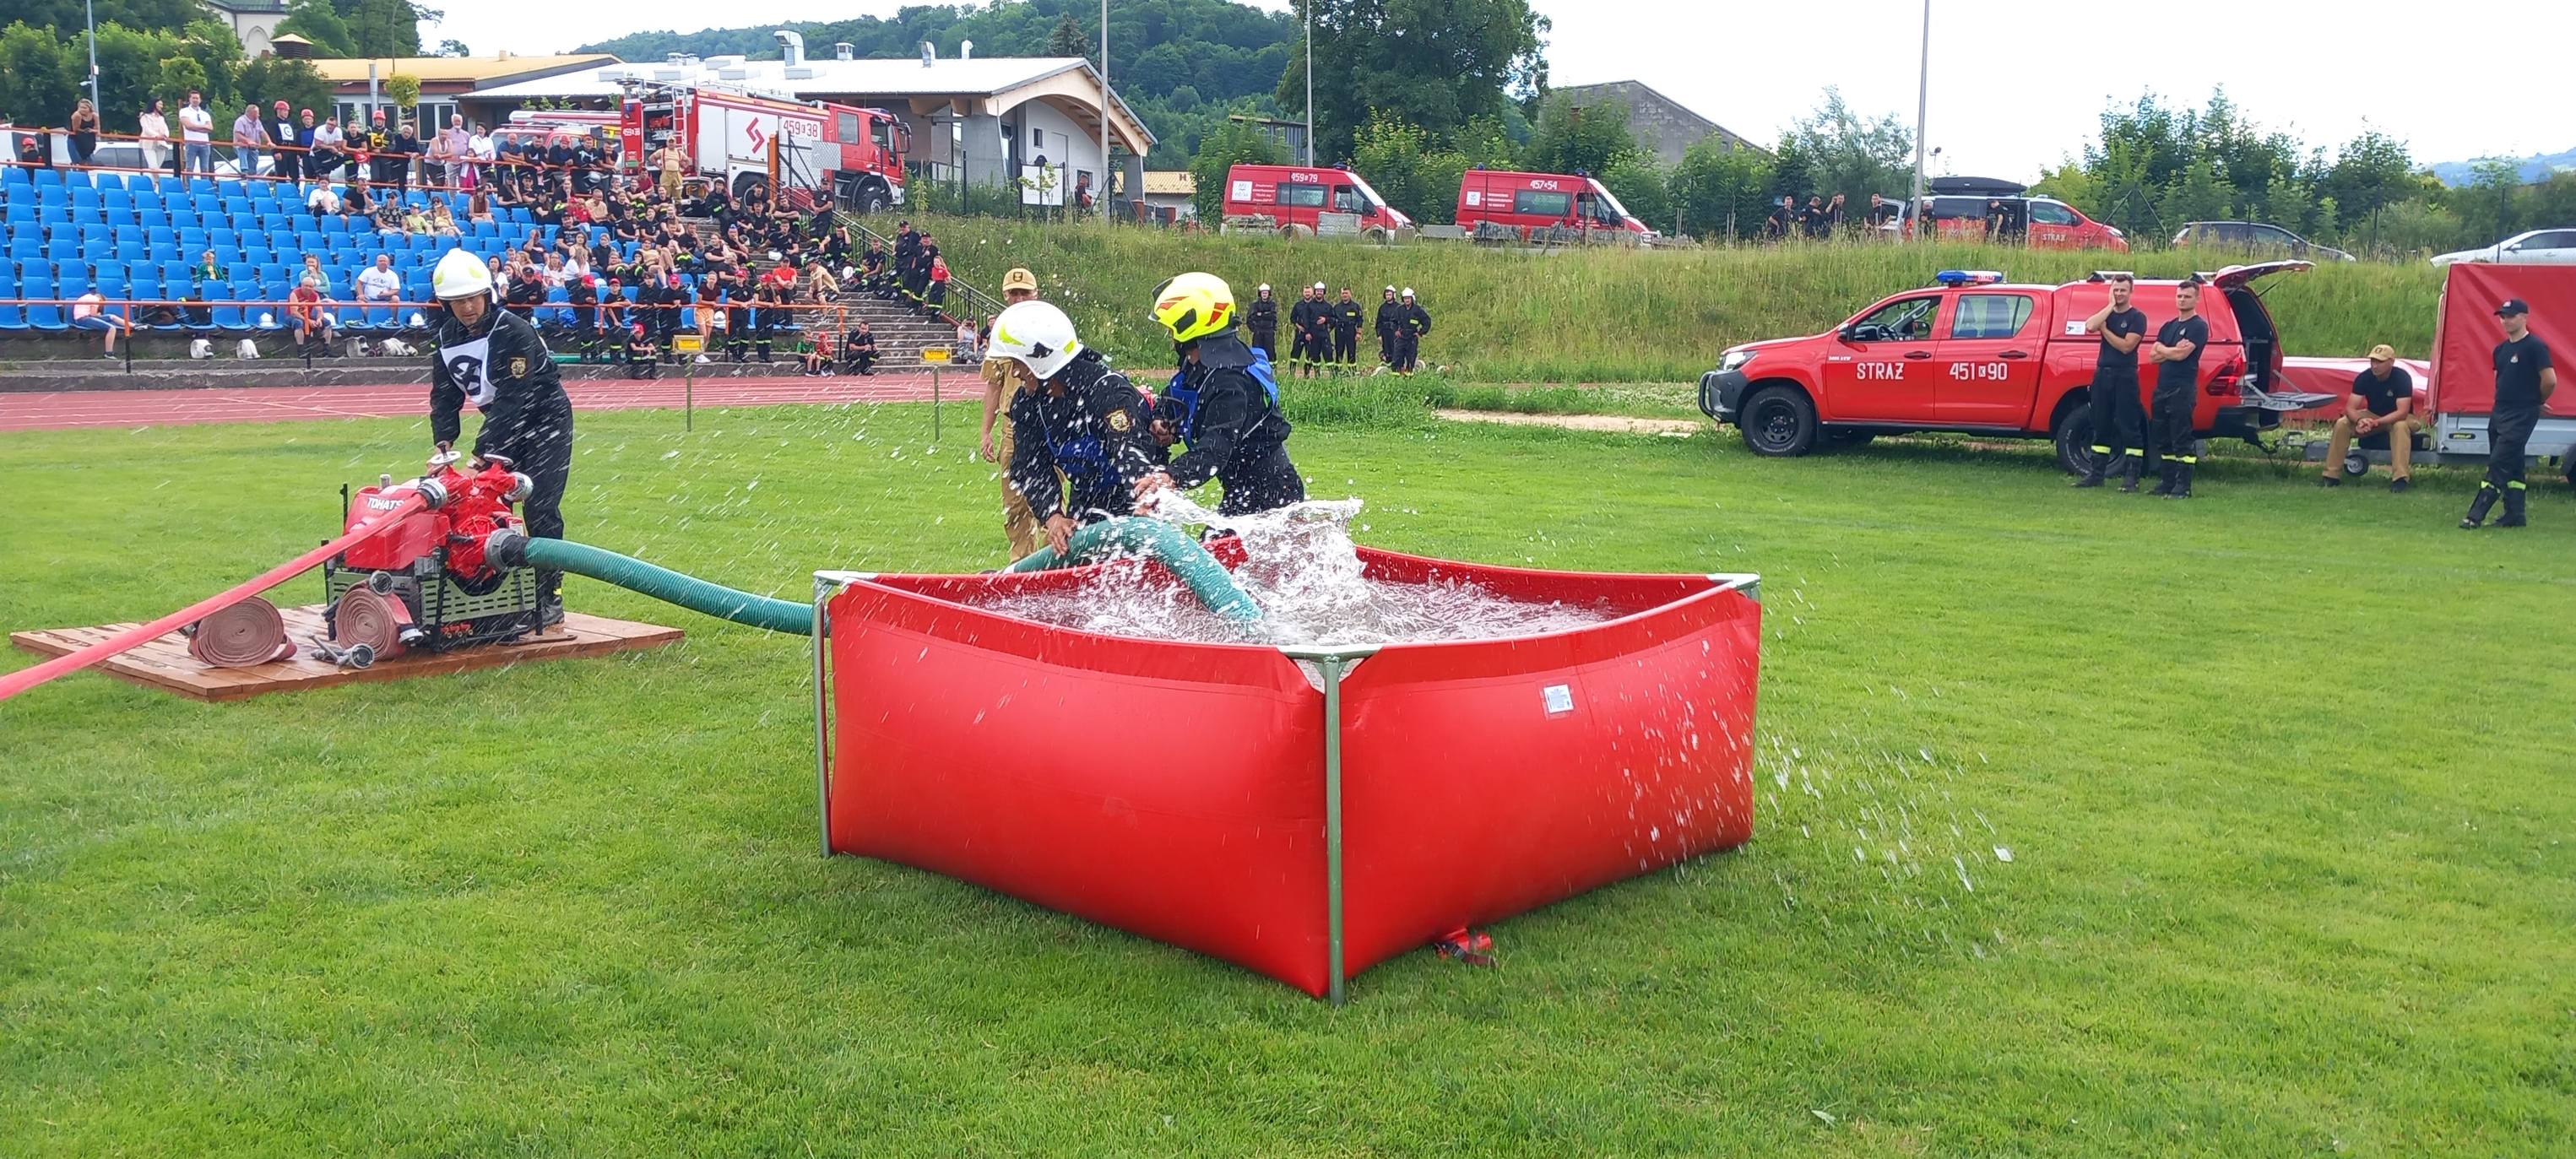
497 360
1224 403
1080 418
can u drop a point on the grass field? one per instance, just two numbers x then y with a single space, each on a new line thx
2282 775
1618 315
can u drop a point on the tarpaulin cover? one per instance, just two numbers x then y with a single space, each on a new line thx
2464 351
1176 790
2333 376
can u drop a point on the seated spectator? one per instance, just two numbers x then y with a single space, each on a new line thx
478 207
358 205
389 216
307 319
206 276
860 348
314 273
643 358
938 283
415 220
2380 410
442 221
379 287
822 286
554 273
970 341
527 290
89 312
322 201
818 353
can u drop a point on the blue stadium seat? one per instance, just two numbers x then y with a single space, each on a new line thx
85 195
25 249
226 255
200 185
12 316
116 201
231 318
47 317
65 248
48 179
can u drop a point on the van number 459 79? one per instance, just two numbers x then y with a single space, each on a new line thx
1974 371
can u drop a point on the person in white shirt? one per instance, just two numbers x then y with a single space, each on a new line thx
322 201
379 284
89 313
197 135
479 150
156 137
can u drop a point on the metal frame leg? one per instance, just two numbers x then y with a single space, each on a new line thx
1333 823
823 588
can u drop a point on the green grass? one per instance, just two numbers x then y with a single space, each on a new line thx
1614 314
2283 775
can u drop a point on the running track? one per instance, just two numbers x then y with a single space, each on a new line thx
55 410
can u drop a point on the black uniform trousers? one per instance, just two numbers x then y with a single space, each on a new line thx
2169 427
1346 345
1266 341
2119 422
1386 346
546 459
1408 348
2508 440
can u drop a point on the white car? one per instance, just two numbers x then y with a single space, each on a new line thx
2537 246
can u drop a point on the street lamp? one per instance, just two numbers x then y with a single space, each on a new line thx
1309 6
1922 103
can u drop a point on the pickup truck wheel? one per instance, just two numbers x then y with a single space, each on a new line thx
1778 421
2074 438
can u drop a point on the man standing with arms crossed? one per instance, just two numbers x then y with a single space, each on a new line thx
2117 418
2524 380
2177 358
1003 378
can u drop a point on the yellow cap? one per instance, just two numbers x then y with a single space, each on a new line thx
2383 353
1019 279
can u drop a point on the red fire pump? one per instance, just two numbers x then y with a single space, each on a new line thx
422 581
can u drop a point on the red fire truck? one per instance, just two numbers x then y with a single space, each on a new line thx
740 139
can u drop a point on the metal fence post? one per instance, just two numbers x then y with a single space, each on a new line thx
823 587
1333 822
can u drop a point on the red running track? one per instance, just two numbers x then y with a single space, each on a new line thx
55 410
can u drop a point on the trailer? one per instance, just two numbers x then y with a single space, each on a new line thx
2456 397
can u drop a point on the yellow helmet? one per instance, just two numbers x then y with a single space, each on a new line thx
1194 305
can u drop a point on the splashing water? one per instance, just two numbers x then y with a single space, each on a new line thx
1302 568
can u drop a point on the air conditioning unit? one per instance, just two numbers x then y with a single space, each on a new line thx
733 74
800 72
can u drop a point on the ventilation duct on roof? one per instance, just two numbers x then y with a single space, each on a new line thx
791 47
844 50
965 50
929 53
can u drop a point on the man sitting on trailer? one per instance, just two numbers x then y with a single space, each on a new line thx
2381 408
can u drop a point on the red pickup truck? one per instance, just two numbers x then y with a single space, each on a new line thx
1974 353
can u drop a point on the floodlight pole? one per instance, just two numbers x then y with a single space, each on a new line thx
1105 172
89 9
1922 104
1309 6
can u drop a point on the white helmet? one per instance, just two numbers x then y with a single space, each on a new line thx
1036 335
1408 291
460 275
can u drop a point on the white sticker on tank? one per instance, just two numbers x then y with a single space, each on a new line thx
1559 698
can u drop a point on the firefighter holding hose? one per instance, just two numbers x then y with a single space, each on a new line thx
1225 402
497 360
1075 416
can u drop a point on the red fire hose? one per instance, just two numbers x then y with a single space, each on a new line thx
26 678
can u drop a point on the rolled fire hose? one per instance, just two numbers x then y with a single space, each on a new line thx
1164 544
141 634
248 633
365 616
509 548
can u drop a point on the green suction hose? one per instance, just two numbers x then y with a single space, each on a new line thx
1163 543
512 549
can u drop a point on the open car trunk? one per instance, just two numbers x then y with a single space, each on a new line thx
2262 387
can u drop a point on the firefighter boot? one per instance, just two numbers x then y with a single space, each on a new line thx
2182 481
2513 496
2479 507
2130 467
2093 470
2165 469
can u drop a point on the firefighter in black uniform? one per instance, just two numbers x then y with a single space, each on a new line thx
1082 438
2119 442
2177 358
1411 323
1301 323
1225 402
497 361
1263 317
2524 380
1387 311
1346 329
907 254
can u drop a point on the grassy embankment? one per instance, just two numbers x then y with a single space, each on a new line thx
2280 774
1616 315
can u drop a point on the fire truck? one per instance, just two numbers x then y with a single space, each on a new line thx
743 140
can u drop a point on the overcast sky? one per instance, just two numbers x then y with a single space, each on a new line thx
2005 100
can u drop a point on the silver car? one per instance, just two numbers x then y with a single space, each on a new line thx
2536 247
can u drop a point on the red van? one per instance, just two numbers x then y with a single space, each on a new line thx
1527 201
1294 197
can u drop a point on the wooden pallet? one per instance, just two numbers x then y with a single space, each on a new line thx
165 664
